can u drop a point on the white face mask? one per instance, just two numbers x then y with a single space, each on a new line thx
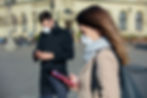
46 30
86 40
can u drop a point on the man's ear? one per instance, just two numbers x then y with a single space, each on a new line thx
52 22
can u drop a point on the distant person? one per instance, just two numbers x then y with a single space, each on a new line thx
104 55
55 47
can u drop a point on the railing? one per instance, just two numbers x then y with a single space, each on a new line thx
137 68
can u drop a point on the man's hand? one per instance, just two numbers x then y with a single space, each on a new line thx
44 55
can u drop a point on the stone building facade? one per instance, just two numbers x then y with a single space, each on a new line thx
20 17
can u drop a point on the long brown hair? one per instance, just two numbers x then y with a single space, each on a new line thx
100 19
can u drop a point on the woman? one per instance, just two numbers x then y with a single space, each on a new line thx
104 54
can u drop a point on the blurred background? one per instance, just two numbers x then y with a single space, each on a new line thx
19 31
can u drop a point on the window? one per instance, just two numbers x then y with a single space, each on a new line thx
9 2
24 22
14 22
3 21
123 20
14 19
34 21
139 21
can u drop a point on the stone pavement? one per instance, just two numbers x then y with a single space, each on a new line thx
19 75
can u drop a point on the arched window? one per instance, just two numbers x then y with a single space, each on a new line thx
123 20
14 23
24 22
34 21
139 21
14 19
3 21
9 2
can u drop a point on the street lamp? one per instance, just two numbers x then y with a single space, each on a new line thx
10 45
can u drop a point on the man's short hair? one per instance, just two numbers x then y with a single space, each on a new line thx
45 15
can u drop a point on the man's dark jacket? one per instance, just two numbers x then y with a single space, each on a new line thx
59 42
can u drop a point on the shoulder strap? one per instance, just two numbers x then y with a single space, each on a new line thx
95 83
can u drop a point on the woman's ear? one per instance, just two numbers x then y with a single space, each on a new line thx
93 33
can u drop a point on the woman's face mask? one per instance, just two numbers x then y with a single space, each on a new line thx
86 40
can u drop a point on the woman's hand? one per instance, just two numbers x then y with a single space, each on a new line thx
75 81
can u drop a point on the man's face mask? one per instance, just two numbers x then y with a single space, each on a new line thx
46 30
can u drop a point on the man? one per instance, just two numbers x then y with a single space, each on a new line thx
55 47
